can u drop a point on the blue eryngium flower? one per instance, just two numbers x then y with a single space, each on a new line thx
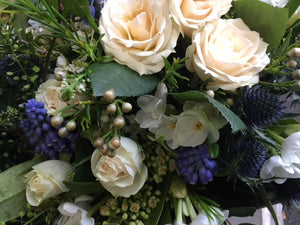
196 164
247 154
261 108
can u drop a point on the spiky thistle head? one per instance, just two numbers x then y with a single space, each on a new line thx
261 107
246 155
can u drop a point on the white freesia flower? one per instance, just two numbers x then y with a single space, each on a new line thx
75 213
287 165
190 14
152 107
124 174
196 123
138 33
276 3
204 220
228 52
46 180
167 128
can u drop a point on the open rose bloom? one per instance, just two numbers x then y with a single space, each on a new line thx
190 14
227 52
138 33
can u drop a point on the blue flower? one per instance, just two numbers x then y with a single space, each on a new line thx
196 164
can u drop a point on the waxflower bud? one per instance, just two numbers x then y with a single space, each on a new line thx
210 93
63 132
115 142
296 74
109 95
292 64
294 53
104 118
98 143
119 122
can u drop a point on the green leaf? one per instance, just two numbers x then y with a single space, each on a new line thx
12 190
165 217
155 215
235 122
85 187
214 150
270 22
242 211
123 80
292 5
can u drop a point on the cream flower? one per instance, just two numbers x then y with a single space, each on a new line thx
152 107
138 33
123 174
287 165
229 53
191 14
75 213
203 219
46 180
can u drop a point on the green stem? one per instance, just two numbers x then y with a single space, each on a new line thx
96 207
35 217
190 207
179 211
275 136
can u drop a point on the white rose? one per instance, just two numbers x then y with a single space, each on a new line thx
228 52
49 92
191 14
138 33
75 213
124 174
46 180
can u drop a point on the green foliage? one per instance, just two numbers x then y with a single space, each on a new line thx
156 214
292 5
12 190
270 22
123 80
236 123
85 187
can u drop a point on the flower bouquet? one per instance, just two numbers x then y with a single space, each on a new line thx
148 112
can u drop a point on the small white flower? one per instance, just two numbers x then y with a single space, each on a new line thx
287 165
152 107
75 213
276 3
166 128
46 180
124 174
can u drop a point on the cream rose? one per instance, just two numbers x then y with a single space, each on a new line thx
124 174
138 33
229 53
49 92
46 180
191 14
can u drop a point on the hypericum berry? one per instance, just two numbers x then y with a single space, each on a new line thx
56 121
71 125
126 107
104 118
104 149
98 143
119 122
59 75
109 95
115 143
111 153
111 108
292 64
210 93
196 164
294 53
296 74
63 132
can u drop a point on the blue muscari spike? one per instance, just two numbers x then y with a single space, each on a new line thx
42 134
261 108
195 164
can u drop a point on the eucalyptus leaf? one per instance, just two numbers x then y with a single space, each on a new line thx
12 190
235 122
123 80
85 187
270 22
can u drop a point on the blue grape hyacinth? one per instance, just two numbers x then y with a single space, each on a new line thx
196 164
261 107
41 134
